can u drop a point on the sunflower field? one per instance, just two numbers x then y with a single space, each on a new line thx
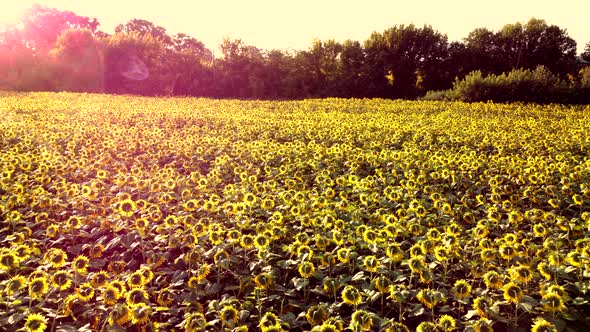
121 213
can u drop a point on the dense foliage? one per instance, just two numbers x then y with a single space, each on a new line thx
538 85
404 61
127 213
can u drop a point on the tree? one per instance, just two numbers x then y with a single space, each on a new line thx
352 77
537 43
403 60
143 28
586 54
42 25
79 61
137 64
183 43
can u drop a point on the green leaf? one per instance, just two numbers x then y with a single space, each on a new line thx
359 276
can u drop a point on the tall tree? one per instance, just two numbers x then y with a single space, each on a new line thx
144 27
136 63
78 59
42 25
537 43
586 54
403 60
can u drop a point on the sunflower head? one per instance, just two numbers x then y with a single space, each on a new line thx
541 325
552 302
269 322
80 264
229 316
513 293
362 319
61 280
85 292
38 287
306 269
316 314
446 323
119 315
462 289
15 284
35 323
140 314
351 295
427 327
136 296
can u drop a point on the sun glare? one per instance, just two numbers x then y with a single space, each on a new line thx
11 14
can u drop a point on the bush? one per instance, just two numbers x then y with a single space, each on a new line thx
539 86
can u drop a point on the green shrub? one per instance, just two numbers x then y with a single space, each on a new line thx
524 85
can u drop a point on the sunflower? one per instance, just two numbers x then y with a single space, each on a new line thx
229 316
15 284
545 270
397 327
371 263
416 264
269 322
51 231
35 323
461 289
512 293
492 280
362 319
507 252
483 325
327 327
446 323
552 302
8 260
136 280
521 273
126 207
110 295
193 282
118 285
140 314
304 252
194 322
80 264
119 315
85 292
136 296
343 255
38 287
61 280
540 230
99 279
317 314
306 269
481 305
263 280
330 285
351 295
73 222
203 271
541 325
427 327
429 297
382 284
96 250
56 257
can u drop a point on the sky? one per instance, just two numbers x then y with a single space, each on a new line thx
292 25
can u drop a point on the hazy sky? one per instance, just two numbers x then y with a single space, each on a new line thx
293 24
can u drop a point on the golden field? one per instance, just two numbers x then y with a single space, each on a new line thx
123 213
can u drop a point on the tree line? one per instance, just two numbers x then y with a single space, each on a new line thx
54 50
